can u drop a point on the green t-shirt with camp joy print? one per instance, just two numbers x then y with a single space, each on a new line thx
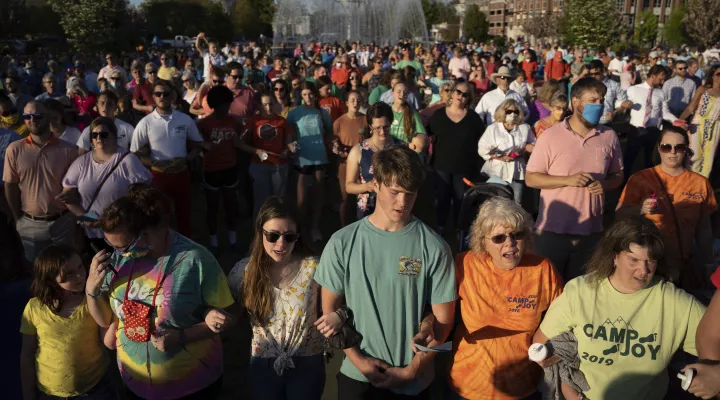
387 279
625 341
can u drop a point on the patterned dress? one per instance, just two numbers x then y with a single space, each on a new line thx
705 129
290 330
366 201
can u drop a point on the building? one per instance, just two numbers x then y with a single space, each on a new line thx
631 10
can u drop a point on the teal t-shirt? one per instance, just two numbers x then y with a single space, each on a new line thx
397 129
387 279
434 84
308 125
419 71
377 93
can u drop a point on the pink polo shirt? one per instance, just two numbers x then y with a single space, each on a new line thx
561 152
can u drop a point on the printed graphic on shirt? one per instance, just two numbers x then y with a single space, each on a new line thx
181 130
623 341
518 303
219 134
267 132
409 266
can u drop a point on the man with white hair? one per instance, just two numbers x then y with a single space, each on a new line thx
50 86
492 99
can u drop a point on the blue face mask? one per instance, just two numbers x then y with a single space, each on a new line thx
131 251
592 113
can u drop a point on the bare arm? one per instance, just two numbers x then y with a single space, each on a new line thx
352 175
28 375
75 209
538 180
707 336
442 317
12 195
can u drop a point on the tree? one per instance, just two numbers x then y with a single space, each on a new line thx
543 26
90 25
674 30
475 24
646 28
703 21
592 23
13 16
252 18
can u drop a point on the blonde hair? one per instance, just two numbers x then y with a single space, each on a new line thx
500 112
470 91
498 211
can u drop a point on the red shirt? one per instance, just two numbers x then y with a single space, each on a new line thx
223 133
334 106
244 105
143 94
530 67
269 134
557 68
340 76
273 74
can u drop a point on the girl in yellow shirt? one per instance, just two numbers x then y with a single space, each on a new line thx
61 353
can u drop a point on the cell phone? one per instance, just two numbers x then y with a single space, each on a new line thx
96 250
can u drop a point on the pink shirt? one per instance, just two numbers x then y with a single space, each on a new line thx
561 152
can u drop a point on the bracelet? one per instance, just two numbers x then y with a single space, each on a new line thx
95 296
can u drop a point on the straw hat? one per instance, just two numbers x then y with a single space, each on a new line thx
502 71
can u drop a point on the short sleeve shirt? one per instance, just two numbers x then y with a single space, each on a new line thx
269 134
311 125
223 134
124 136
561 152
397 129
188 281
403 271
167 135
625 334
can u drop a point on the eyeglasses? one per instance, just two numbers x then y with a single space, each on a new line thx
352 78
272 237
464 95
161 94
101 135
380 128
218 81
516 112
236 77
37 117
668 148
504 77
500 239
681 69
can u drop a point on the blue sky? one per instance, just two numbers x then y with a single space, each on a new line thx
136 2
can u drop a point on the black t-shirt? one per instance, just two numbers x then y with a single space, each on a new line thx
455 145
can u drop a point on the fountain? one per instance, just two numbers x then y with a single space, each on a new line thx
299 21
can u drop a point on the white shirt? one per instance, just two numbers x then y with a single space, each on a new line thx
107 71
616 66
218 60
497 139
492 99
457 65
70 135
167 135
523 89
124 136
363 58
638 95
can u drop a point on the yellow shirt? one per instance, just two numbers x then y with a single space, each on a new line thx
70 359
625 341
166 73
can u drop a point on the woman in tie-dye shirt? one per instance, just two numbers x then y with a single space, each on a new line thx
179 280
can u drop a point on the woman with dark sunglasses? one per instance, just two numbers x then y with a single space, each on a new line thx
282 103
503 293
679 202
275 286
100 177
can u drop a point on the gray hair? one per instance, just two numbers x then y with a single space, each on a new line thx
498 211
500 112
49 76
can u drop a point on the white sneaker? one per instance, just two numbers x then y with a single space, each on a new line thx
315 235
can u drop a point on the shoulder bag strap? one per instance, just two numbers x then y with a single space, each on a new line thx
672 212
97 191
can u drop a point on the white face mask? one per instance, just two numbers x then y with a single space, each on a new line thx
510 118
338 65
112 84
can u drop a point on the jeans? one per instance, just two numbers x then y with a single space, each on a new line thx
304 382
517 187
639 139
103 390
568 253
36 235
350 389
268 180
449 188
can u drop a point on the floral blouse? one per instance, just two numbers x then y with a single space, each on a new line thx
290 330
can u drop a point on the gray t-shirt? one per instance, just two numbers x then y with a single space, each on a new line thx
387 279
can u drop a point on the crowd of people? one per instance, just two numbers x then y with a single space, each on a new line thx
100 163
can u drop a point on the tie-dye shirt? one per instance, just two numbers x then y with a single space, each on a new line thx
191 281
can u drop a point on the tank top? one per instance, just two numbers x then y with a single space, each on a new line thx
373 82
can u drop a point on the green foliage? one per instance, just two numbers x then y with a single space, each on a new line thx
90 25
43 21
674 31
167 18
437 12
253 17
592 23
702 21
475 24
646 28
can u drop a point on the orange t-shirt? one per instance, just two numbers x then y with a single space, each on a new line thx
269 134
334 106
223 133
501 310
690 193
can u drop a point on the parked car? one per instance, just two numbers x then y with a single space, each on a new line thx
180 41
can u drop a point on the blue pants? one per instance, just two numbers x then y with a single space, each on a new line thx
103 390
304 382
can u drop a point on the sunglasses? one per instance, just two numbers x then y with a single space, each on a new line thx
500 239
272 237
151 72
115 78
161 94
279 89
516 112
681 69
461 93
102 135
236 77
218 81
504 77
668 148
186 80
37 117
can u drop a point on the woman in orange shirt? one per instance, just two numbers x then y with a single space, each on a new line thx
530 66
680 202
503 293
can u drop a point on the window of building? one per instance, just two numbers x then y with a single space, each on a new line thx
620 5
646 4
658 3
